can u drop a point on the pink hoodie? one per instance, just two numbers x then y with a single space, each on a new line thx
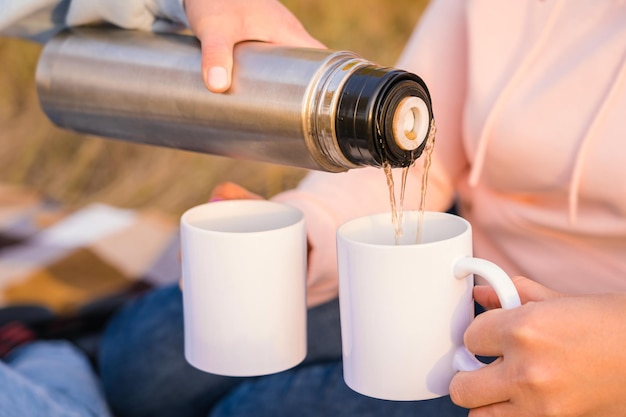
530 104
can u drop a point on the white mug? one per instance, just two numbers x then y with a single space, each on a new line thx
404 308
244 270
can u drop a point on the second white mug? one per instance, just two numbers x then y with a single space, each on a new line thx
404 308
244 294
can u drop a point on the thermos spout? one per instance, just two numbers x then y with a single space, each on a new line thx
308 108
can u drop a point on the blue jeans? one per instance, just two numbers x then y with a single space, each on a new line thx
49 379
144 372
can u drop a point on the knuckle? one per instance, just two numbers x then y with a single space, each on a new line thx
534 378
539 381
524 331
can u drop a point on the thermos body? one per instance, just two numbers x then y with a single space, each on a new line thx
309 108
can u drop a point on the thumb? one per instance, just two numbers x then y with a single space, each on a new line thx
217 28
217 64
219 25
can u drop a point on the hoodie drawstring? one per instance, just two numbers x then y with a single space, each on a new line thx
590 134
485 133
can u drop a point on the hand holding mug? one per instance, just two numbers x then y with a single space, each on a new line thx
558 356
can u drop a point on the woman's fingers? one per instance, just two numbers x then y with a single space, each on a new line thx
482 387
221 24
232 191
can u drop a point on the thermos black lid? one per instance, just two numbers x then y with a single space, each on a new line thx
383 115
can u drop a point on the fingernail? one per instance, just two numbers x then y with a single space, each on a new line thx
217 78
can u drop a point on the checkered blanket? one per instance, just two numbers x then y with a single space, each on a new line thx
64 259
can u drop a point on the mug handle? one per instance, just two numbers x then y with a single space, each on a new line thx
464 360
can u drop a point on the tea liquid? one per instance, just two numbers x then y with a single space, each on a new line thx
428 156
397 206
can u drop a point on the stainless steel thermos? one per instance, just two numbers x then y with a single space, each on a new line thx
309 108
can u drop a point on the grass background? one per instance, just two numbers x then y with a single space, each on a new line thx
76 170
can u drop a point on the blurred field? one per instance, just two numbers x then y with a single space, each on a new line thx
76 170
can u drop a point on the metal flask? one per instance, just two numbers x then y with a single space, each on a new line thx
308 108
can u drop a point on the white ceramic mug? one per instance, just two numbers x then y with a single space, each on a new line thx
244 270
404 308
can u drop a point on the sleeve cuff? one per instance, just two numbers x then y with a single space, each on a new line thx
129 14
322 281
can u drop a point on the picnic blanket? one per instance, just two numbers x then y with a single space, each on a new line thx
65 259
